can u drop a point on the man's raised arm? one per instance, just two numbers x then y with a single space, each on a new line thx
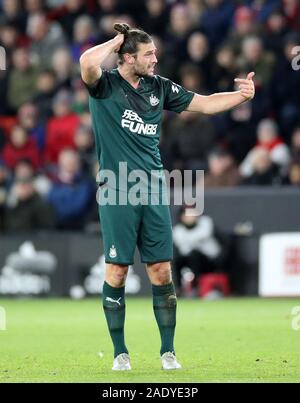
224 101
91 60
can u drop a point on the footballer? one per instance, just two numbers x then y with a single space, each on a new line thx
126 105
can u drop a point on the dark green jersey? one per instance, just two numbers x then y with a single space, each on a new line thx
127 121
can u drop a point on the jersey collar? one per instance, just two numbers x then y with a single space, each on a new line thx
141 84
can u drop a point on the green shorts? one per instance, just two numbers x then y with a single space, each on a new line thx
148 227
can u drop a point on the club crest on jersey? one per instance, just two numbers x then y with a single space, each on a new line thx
112 252
154 100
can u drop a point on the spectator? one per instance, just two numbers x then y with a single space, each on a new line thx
9 38
61 128
28 119
199 54
198 47
45 38
84 142
85 119
180 21
20 146
84 36
196 247
275 30
222 170
12 14
27 211
157 17
295 147
178 30
237 130
72 194
46 88
34 6
265 172
244 27
196 9
191 78
255 57
291 10
22 79
24 170
216 20
268 139
63 68
224 69
191 137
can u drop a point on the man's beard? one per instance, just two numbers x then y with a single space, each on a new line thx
142 72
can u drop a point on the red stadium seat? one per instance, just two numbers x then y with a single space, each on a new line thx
213 282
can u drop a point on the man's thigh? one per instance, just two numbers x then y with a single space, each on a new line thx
155 241
120 226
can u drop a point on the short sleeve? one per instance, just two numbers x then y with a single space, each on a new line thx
177 98
101 89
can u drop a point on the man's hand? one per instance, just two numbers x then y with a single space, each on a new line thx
118 39
246 86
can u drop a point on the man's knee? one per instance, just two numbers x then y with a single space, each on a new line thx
116 275
160 273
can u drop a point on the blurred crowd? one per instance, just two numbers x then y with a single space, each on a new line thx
47 159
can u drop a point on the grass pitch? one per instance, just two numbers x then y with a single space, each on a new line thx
235 340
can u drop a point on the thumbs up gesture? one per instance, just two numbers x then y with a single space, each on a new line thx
246 86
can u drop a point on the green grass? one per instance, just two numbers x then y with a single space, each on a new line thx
235 340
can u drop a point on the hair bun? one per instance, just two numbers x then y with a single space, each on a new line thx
122 28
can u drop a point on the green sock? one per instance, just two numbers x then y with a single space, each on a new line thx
164 305
114 308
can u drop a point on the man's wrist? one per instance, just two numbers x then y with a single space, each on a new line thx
116 44
242 98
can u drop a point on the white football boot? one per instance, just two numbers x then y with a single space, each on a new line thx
169 361
121 363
